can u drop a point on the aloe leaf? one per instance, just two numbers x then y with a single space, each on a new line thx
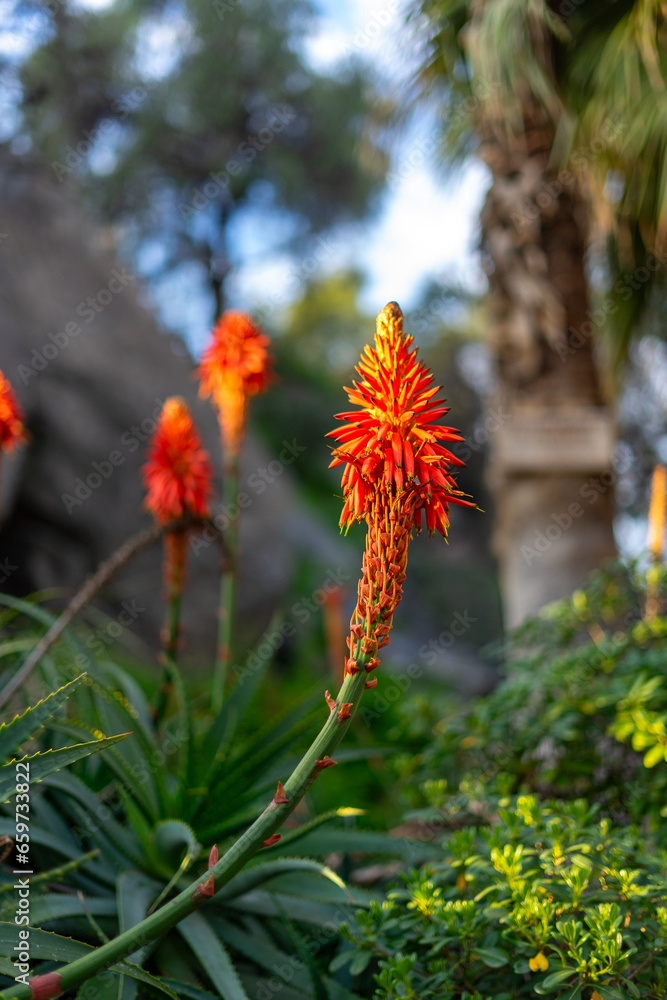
186 767
253 877
173 842
23 727
94 818
43 944
58 906
141 976
134 894
240 775
268 956
223 728
103 986
213 956
329 841
248 756
57 874
46 839
132 692
142 756
57 948
268 904
43 763
186 991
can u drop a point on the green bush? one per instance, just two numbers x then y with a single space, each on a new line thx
551 792
548 899
581 712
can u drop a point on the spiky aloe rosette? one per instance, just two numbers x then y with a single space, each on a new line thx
397 470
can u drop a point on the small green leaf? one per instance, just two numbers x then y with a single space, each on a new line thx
556 978
610 992
360 962
494 958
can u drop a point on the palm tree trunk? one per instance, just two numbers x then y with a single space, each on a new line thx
551 456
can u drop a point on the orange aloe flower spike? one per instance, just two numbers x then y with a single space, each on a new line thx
235 366
178 474
179 481
396 468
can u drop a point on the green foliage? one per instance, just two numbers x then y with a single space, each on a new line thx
581 711
549 899
537 890
123 833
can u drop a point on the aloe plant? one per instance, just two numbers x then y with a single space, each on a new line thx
125 832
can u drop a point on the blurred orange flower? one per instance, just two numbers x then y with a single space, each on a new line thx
178 474
657 514
235 366
12 431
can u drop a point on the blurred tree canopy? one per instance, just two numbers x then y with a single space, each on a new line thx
175 115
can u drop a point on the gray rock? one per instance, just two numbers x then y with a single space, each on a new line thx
91 370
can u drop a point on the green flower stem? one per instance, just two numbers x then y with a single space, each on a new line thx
227 592
173 625
175 557
171 636
172 912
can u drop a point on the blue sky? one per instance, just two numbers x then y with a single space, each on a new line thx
426 226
